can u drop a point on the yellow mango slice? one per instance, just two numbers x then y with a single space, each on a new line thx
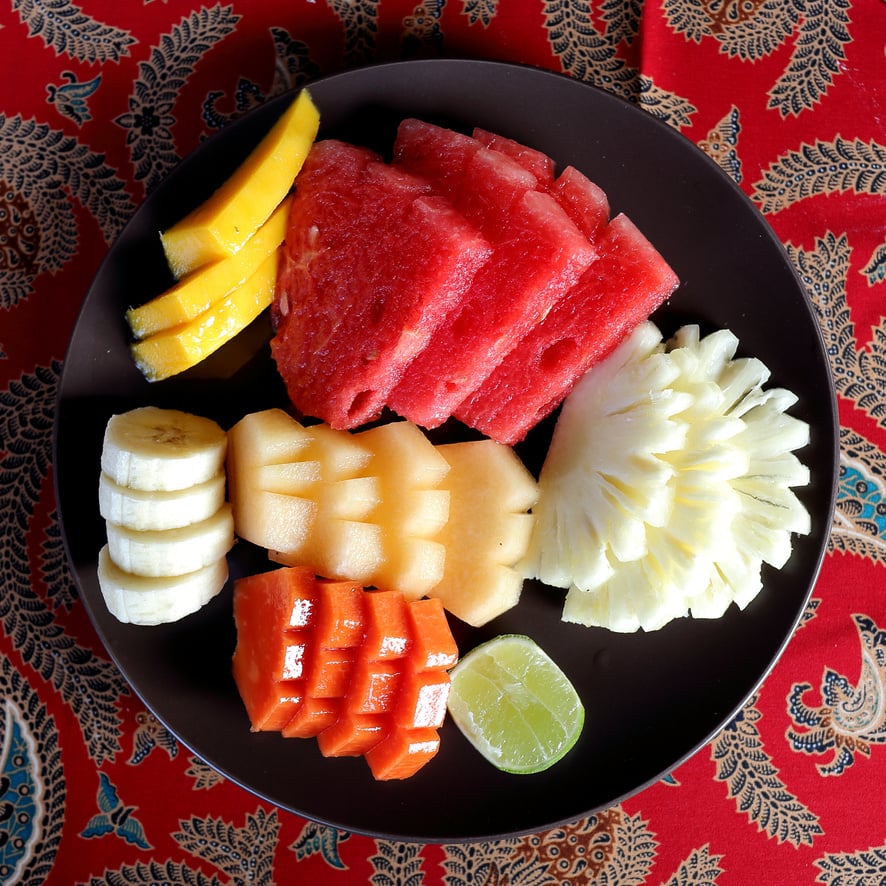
175 350
220 226
198 291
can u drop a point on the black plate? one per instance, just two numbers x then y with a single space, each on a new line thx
651 699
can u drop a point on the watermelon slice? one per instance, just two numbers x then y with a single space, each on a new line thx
622 288
373 263
538 255
539 164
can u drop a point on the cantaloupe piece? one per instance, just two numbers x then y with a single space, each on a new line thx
488 530
412 509
221 225
172 351
199 290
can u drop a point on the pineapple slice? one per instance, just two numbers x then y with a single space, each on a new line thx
198 291
725 473
174 350
488 530
220 226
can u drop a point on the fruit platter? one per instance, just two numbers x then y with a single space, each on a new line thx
651 684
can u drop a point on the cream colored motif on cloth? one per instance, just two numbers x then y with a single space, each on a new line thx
851 716
589 54
41 169
64 27
721 144
755 784
149 120
751 30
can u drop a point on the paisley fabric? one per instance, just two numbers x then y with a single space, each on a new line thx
100 100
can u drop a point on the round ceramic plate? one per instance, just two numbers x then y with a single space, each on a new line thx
651 699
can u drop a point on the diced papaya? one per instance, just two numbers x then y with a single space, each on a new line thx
402 752
294 645
373 687
387 630
421 700
339 622
329 672
222 224
266 607
352 734
311 717
434 646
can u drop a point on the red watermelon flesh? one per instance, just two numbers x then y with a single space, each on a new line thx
353 304
538 255
622 288
536 162
585 202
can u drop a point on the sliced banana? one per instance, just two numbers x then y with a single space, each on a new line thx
150 448
170 552
141 509
139 600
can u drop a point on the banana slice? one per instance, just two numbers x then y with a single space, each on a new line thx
170 552
139 600
150 448
140 509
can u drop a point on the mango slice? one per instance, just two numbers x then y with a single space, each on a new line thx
202 288
220 226
174 350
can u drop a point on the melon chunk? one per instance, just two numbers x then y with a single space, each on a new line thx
538 255
488 530
221 225
373 264
617 292
413 510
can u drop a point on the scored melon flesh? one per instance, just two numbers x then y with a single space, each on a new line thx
488 530
413 510
221 225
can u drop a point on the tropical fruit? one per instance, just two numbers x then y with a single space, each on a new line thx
538 255
515 705
488 530
162 494
221 225
373 264
668 483
623 287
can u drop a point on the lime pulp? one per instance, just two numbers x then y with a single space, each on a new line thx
514 704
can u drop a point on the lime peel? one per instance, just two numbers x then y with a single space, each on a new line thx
515 705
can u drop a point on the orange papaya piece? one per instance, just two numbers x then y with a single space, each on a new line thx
402 752
387 630
267 652
329 672
352 734
339 621
373 687
421 700
434 646
311 717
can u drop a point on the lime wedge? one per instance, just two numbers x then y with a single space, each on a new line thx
515 705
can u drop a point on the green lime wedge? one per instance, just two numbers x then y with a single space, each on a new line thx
515 705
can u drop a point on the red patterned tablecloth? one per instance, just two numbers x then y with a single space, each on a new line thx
99 100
